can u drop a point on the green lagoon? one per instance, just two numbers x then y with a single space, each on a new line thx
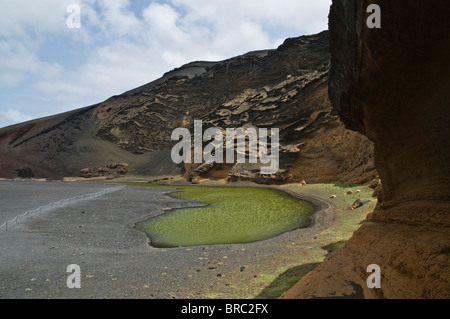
234 215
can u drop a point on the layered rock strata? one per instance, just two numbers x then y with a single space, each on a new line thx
392 85
285 88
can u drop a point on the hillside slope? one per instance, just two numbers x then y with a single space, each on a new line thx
392 85
286 88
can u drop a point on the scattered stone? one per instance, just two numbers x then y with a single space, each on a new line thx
333 196
374 183
359 202
203 168
171 294
103 171
25 172
122 171
252 172
87 172
350 192
110 171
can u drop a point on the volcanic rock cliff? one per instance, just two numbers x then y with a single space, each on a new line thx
392 85
286 88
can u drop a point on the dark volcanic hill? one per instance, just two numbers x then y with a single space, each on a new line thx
286 88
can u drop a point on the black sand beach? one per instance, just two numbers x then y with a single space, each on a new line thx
116 260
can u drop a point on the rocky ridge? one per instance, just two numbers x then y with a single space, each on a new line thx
286 88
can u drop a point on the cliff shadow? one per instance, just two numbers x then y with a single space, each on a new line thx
291 276
285 281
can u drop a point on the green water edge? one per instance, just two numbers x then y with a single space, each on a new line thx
272 282
233 215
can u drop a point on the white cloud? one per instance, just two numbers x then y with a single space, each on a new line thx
115 18
305 16
12 116
122 49
19 63
162 17
18 18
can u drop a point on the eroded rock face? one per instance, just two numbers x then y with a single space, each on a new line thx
285 88
392 85
111 170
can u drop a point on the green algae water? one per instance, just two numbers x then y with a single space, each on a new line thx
234 215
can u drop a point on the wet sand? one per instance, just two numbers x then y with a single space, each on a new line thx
117 261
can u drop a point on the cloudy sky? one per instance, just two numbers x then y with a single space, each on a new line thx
46 67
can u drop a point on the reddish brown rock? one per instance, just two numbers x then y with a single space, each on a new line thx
87 172
392 85
111 170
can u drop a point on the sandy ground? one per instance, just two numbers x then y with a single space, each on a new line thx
116 260
17 197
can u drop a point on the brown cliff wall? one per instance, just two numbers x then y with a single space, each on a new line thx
392 85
